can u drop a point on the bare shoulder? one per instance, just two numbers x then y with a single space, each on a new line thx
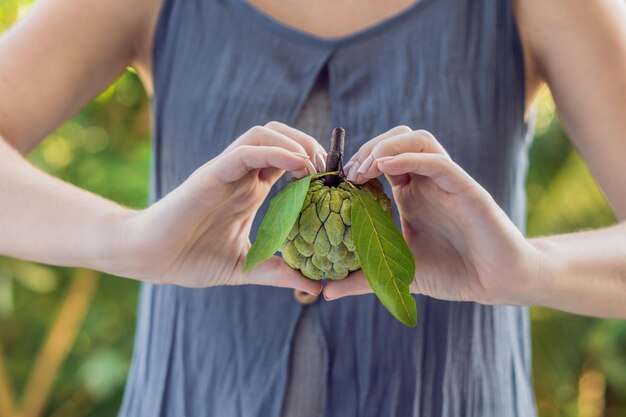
558 29
63 53
579 49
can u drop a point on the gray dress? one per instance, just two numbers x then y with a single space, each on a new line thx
453 67
303 397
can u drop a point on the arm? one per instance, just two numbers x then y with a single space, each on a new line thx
46 220
52 63
186 238
60 56
465 247
580 50
584 272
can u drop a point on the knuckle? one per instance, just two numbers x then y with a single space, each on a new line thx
306 141
274 124
295 146
485 196
443 160
403 129
243 150
379 149
425 135
444 163
256 131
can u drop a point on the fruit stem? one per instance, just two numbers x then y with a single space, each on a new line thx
334 160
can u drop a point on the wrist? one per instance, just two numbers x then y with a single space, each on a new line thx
543 272
112 250
530 277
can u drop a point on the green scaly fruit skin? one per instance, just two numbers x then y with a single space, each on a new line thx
320 243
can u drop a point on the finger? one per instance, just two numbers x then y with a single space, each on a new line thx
316 152
275 272
232 166
417 141
444 172
353 284
366 149
264 136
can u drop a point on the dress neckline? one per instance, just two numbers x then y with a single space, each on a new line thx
289 31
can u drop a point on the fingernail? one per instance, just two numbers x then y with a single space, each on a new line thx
385 158
326 297
300 173
366 165
311 167
354 172
301 155
321 163
347 166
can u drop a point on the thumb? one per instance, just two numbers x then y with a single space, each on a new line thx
275 272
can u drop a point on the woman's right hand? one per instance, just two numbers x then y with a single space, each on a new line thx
198 235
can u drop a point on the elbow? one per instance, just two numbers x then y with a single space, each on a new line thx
7 143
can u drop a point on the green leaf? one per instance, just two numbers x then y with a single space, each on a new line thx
385 257
278 221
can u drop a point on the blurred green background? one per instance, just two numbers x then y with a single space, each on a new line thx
579 363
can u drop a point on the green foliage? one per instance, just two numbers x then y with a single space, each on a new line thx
385 257
563 197
320 244
280 217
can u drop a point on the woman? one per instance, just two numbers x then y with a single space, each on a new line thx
464 70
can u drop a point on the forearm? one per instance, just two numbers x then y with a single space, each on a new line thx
583 272
46 220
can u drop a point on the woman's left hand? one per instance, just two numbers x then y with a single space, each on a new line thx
465 246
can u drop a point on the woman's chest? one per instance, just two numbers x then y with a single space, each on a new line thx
324 19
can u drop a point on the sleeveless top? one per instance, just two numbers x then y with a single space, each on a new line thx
304 392
453 67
